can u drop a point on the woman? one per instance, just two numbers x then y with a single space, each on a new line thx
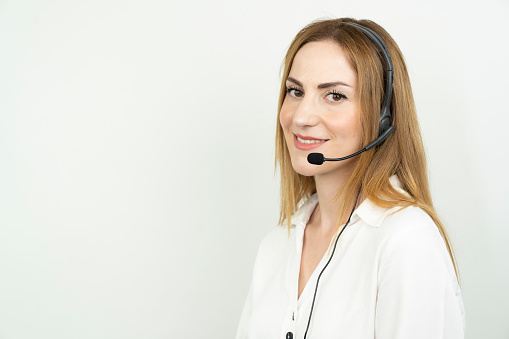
364 254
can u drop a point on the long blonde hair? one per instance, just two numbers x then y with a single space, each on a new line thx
401 154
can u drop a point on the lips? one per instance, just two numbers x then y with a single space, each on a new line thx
306 143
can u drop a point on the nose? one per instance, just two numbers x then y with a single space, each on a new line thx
306 113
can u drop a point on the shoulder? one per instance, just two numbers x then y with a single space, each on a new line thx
391 224
275 243
396 220
273 252
410 223
415 277
413 243
281 240
409 219
275 235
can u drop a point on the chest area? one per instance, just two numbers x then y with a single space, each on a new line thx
316 247
346 294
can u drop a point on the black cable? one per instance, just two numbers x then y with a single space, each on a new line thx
327 264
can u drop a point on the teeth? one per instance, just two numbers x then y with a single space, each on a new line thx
310 141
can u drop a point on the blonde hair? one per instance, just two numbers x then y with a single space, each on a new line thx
401 154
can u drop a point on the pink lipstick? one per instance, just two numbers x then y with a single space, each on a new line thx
307 143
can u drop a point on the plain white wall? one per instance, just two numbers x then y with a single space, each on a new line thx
136 147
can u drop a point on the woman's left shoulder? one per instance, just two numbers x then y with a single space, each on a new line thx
410 235
410 220
416 276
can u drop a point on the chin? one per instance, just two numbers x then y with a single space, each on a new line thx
303 167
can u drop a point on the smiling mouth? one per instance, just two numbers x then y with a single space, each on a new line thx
310 141
304 143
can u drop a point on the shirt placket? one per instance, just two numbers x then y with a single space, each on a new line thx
288 330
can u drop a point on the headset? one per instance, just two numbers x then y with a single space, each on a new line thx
385 127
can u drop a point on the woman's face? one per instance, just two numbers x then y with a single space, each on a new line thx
320 111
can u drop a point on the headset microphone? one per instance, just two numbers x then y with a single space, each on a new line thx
385 127
318 158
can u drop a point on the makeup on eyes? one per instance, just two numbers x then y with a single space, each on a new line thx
334 92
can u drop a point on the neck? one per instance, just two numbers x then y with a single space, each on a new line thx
327 215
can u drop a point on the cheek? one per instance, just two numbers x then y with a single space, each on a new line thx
285 118
355 132
346 129
356 129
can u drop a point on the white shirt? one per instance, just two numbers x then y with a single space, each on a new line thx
391 277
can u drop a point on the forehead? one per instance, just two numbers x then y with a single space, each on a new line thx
322 61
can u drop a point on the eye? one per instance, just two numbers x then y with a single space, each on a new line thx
335 96
294 92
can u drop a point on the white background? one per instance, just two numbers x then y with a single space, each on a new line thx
136 150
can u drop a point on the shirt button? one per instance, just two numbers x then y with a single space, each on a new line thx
289 335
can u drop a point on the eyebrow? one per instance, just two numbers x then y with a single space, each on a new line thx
320 86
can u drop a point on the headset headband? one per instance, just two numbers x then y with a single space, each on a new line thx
385 112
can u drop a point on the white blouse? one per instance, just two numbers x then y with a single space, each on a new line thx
391 277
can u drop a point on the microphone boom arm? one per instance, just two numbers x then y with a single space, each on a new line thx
318 158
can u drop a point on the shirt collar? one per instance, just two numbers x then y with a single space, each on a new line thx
369 212
301 217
